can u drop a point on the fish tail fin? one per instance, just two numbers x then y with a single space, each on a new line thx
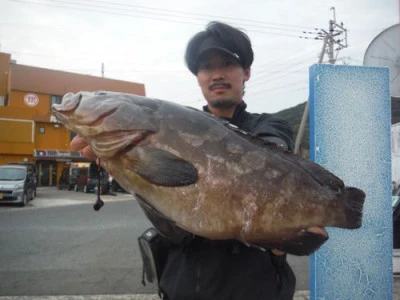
353 207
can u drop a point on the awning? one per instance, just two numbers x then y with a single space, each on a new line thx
58 155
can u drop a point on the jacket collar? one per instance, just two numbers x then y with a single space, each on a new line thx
238 114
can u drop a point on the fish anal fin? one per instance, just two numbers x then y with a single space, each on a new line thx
305 243
353 207
163 224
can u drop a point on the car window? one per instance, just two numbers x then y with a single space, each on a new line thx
12 174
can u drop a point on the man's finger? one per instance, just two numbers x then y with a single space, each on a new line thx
88 153
78 143
277 252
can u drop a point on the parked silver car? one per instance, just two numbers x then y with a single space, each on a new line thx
17 185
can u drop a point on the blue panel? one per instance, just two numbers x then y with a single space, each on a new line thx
350 121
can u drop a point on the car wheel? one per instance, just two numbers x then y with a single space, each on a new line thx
85 189
24 200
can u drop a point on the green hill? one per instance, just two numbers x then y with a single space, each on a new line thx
294 114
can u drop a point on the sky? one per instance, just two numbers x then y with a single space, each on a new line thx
144 40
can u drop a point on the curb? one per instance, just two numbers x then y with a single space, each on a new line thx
299 295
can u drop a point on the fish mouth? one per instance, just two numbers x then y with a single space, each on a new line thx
109 144
317 230
64 110
70 104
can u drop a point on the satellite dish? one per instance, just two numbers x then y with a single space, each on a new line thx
384 51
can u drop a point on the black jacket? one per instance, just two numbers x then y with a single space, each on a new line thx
197 268
265 126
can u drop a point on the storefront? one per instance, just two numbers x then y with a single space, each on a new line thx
50 163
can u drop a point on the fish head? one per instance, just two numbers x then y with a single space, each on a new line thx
110 122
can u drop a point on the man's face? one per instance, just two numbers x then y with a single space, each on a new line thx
221 79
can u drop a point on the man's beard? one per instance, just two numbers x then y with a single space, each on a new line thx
222 103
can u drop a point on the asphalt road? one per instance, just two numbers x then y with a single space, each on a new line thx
58 245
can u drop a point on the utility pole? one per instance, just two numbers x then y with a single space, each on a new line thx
330 39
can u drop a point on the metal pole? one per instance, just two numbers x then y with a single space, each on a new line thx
330 44
304 119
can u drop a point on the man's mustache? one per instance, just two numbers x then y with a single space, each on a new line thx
219 84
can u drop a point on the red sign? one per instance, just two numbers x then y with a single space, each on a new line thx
31 99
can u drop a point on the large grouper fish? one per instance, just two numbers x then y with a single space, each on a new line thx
207 177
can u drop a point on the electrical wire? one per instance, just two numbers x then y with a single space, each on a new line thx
291 84
169 13
198 14
284 70
91 8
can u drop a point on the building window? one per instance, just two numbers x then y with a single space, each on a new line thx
41 130
56 99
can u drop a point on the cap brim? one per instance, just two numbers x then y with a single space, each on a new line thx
203 51
208 44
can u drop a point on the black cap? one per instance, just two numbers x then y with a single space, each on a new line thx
213 43
222 37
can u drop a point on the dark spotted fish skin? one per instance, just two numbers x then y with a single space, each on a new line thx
208 178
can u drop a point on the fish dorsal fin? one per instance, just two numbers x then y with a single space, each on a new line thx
321 175
161 167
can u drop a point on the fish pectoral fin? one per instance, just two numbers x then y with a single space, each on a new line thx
304 243
161 167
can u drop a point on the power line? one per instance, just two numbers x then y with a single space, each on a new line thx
169 11
207 15
147 15
268 80
286 57
189 14
278 59
286 69
276 88
272 71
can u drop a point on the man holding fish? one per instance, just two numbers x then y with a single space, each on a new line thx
221 57
229 261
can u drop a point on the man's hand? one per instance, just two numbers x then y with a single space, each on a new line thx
277 252
81 144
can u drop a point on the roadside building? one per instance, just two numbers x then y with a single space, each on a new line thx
28 131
